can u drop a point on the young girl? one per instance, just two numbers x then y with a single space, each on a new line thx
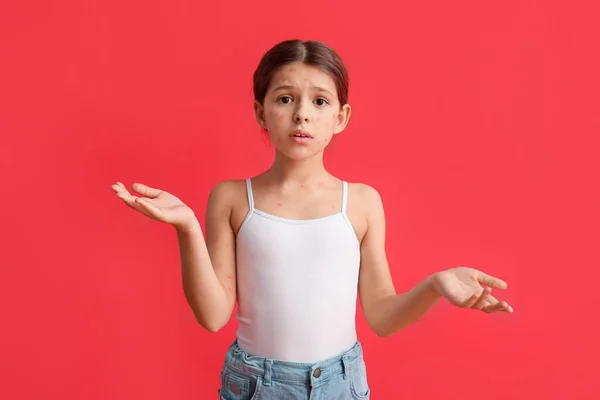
295 245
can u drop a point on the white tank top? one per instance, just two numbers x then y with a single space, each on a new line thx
297 284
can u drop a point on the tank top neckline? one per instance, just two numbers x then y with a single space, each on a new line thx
274 217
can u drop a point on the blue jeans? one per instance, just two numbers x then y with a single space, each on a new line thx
246 377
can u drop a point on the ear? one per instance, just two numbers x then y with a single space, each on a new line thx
259 112
342 118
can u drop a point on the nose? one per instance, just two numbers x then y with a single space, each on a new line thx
302 112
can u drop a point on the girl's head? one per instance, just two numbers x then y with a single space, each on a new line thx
301 89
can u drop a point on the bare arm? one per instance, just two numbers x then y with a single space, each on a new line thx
386 311
208 268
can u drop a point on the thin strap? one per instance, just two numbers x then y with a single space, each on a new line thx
250 196
344 196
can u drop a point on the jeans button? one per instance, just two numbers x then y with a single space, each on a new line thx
317 373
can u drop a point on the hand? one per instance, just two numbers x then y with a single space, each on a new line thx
156 204
462 287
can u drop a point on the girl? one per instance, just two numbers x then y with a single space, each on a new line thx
295 245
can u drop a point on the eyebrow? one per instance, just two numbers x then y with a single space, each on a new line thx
288 87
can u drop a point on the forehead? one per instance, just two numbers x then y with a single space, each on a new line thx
302 75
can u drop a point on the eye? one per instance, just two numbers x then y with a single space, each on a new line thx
284 99
321 101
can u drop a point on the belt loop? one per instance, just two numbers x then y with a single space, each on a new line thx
345 366
267 376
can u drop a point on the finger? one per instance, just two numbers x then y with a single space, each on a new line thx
130 200
148 206
133 202
470 301
124 195
491 308
499 306
116 187
482 300
146 190
120 188
491 281
492 300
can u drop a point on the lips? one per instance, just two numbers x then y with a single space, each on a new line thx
301 134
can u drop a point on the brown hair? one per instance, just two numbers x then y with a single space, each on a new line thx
310 52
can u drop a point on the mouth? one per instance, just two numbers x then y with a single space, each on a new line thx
301 134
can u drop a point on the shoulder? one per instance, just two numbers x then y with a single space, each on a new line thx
228 186
364 195
227 192
365 208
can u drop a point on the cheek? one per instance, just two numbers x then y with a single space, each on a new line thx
334 119
276 116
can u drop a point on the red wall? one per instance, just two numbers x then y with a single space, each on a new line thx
476 120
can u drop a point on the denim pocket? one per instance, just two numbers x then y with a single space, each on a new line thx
359 385
238 386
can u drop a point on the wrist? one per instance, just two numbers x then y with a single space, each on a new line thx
433 284
191 226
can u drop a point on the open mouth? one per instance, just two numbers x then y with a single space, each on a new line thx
301 135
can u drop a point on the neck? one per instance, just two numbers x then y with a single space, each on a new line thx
303 172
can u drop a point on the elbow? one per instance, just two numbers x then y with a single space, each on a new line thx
213 323
379 330
210 326
212 320
382 333
384 329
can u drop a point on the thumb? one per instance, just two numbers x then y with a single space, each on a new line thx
145 190
491 281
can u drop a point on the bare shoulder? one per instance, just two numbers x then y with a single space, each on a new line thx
227 193
364 206
230 197
365 196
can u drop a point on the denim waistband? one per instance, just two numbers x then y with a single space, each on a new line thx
292 372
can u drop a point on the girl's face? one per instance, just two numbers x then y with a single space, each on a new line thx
301 111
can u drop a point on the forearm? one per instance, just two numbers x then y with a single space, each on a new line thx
203 291
396 312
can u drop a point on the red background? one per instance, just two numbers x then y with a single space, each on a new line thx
476 120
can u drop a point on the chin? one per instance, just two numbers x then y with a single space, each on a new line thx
299 154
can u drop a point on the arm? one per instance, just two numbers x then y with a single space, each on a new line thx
386 311
208 268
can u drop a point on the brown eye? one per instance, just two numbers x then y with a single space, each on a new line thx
321 102
285 99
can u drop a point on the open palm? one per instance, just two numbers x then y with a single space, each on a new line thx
464 287
156 204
